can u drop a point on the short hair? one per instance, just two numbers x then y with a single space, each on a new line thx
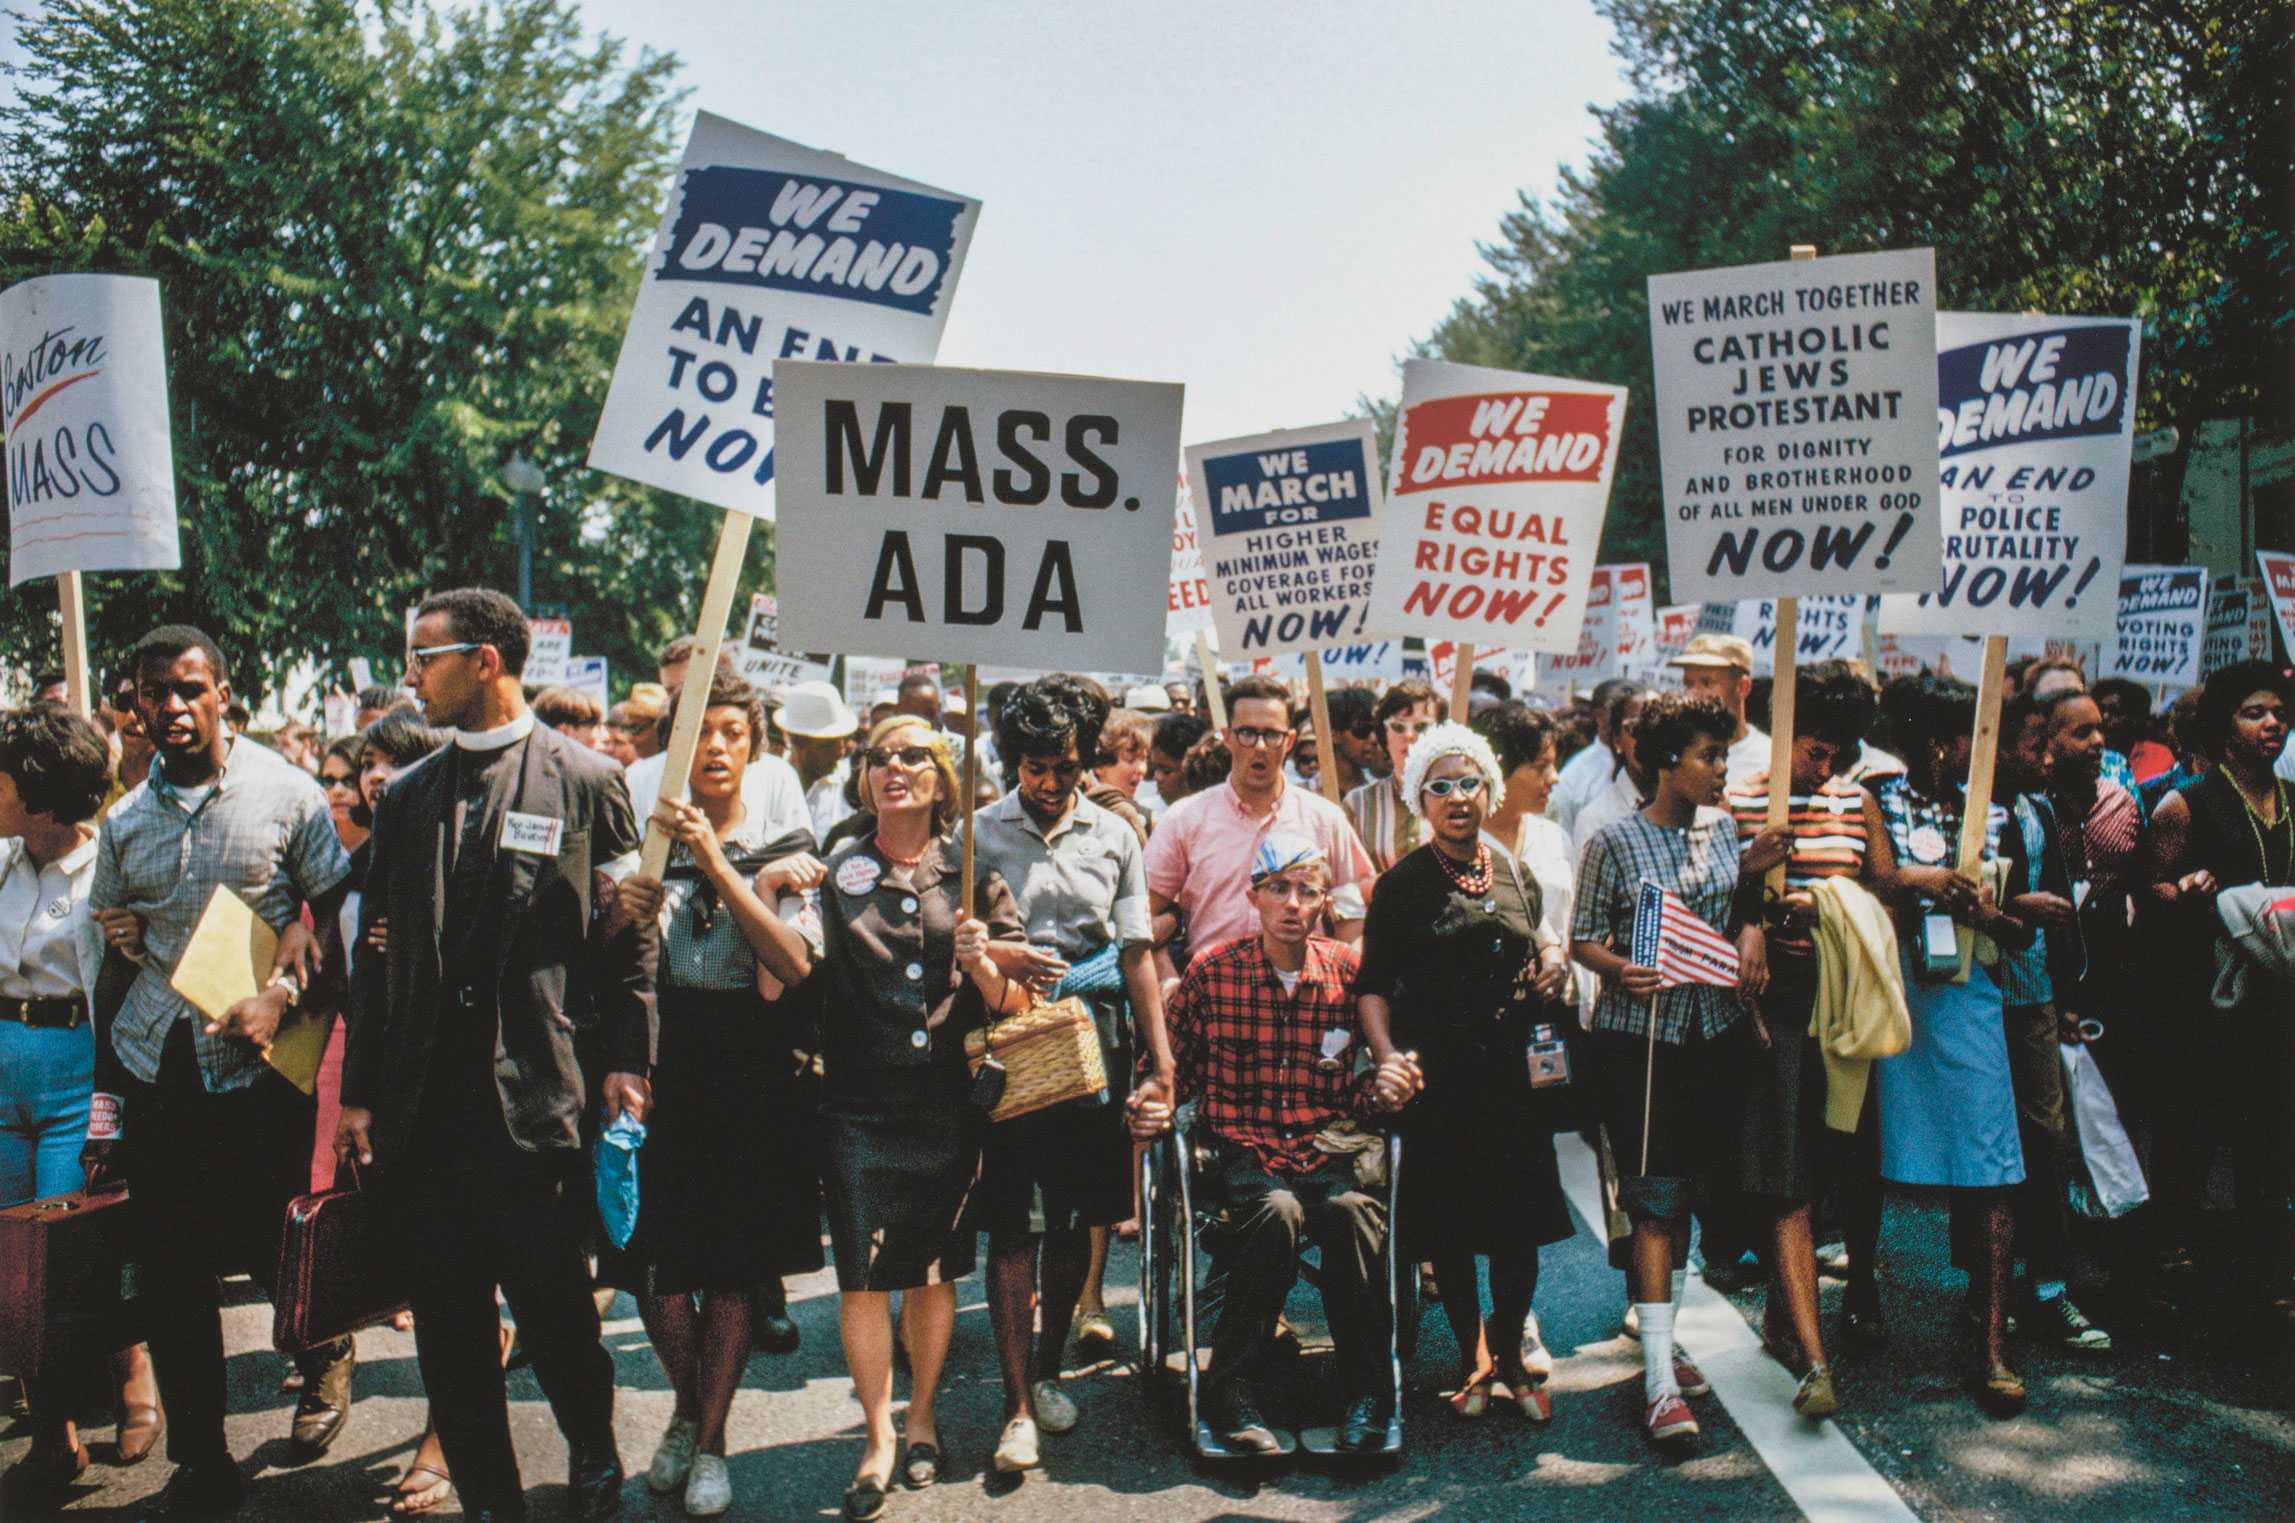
1125 735
727 690
998 695
948 801
2018 711
1207 763
293 729
1349 707
917 677
676 653
627 717
61 763
2224 690
1259 687
1041 720
555 706
1610 712
49 678
345 749
1406 695
1490 682
398 740
1084 698
1176 734
1833 704
482 616
1672 723
382 699
1606 692
2135 698
170 641
1927 708
1518 734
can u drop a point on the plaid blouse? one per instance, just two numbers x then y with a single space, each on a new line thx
1699 863
1251 1055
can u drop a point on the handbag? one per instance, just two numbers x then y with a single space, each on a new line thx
338 1269
1050 1054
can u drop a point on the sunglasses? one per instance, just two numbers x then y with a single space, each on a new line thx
1251 735
1464 787
419 657
1409 726
907 756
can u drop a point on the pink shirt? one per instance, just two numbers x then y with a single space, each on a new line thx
1200 858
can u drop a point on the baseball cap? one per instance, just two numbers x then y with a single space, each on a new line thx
1716 650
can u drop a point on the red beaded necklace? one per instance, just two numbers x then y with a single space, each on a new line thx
1470 880
887 853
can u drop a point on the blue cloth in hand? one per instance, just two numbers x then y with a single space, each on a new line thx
1100 973
615 1163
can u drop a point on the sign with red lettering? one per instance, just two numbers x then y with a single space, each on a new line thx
2278 570
1190 593
1499 482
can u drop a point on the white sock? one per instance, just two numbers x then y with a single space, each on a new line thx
1657 1349
1680 1283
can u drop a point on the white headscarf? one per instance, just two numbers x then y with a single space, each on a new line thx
1448 739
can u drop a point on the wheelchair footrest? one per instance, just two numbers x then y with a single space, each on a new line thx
1325 1441
1209 1445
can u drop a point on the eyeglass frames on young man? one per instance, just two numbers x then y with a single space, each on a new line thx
1252 735
419 657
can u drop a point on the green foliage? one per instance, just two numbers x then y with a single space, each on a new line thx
396 246
2072 156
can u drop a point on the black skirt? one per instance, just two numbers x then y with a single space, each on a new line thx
729 1188
1781 1125
1478 1169
901 1152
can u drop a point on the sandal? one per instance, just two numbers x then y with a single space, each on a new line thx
920 1466
1472 1399
138 1432
2001 1391
865 1499
421 1496
1531 1398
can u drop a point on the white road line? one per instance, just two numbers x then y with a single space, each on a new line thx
1815 1462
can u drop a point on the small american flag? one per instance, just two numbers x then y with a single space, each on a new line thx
1669 937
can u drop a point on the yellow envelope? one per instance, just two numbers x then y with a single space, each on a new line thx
228 959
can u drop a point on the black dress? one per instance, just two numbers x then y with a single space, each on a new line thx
729 1190
1478 1172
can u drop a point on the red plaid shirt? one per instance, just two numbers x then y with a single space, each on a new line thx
1251 1055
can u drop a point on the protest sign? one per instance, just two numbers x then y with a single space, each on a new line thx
1518 667
867 676
1676 623
550 646
2035 418
83 392
768 250
1373 661
1290 525
761 659
1494 508
1636 615
1829 628
1795 410
2162 626
2278 568
1619 634
1188 611
587 674
1039 534
2230 626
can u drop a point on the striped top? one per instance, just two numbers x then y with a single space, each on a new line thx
1828 839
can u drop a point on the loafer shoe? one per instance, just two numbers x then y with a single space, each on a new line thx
1055 1409
1365 1427
324 1409
595 1489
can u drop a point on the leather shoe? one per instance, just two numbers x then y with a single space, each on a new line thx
212 1490
1365 1429
596 1488
776 1334
325 1407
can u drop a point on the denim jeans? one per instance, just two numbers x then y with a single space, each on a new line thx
45 1078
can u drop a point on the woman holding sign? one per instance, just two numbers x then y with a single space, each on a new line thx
1458 968
906 976
1948 1103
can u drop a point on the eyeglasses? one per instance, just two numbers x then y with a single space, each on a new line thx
1252 735
1292 888
1409 726
419 657
908 756
1465 787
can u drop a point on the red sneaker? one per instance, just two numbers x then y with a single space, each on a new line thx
1689 1377
1669 1418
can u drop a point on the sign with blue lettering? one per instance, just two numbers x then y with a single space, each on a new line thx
2160 628
1289 526
2035 420
768 250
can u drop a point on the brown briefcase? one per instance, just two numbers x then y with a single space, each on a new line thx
337 1270
67 1281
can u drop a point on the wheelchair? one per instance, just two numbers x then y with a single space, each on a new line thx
1176 1244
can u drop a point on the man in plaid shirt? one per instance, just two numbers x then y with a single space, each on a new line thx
1264 1040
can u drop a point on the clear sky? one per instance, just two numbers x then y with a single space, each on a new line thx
1266 201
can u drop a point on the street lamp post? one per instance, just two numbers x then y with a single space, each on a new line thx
525 482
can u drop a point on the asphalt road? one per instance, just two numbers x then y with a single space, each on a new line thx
2187 1417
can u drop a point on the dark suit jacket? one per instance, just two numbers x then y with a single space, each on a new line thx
561 984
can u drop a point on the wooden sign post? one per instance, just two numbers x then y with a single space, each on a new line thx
1984 754
1326 744
693 694
78 690
1781 688
1208 664
1461 679
971 774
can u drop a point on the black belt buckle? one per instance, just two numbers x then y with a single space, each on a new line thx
48 1014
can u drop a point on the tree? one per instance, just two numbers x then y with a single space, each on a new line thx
396 245
2068 155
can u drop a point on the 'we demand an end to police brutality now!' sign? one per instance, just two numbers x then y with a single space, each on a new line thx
1796 409
986 516
1494 511
768 250
1289 527
2035 422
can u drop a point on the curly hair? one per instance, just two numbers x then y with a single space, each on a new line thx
1041 721
727 690
1671 723
61 764
2223 692
1518 734
1928 708
1833 703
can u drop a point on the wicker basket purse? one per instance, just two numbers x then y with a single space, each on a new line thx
1050 1053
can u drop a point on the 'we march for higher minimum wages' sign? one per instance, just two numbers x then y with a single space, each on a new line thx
984 515
768 250
2035 421
1796 409
1289 528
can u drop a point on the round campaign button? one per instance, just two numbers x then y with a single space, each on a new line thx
858 875
1928 845
908 905
919 1039
915 971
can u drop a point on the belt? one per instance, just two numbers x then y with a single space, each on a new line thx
59 1014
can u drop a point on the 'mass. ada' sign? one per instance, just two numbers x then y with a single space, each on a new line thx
768 250
981 515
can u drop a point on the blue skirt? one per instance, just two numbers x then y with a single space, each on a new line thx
1948 1106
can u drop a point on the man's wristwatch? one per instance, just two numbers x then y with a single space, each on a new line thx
289 982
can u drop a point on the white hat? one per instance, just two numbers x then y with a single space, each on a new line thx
952 702
1148 699
817 711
